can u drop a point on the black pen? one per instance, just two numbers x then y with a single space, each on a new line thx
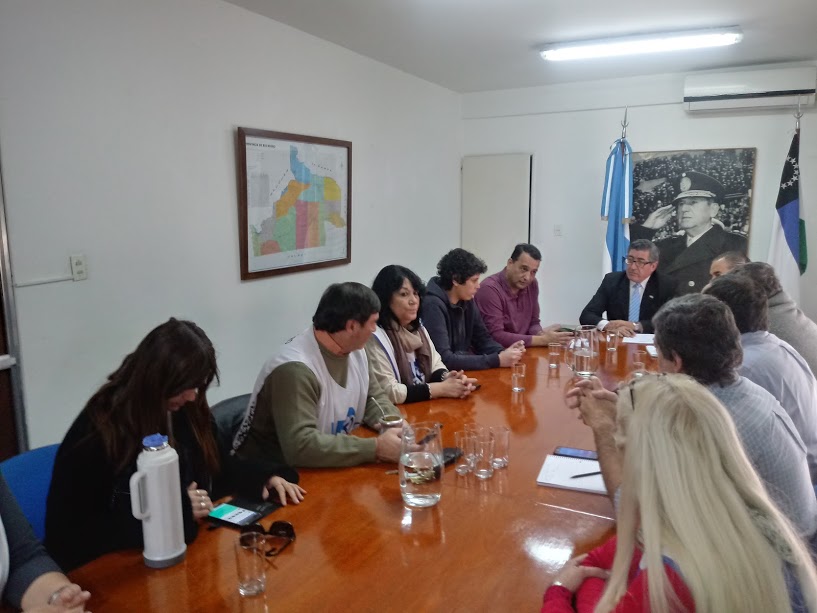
593 474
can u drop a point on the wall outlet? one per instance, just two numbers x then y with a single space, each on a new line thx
79 267
557 230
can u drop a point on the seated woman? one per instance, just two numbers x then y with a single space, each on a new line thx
400 352
29 578
160 387
697 530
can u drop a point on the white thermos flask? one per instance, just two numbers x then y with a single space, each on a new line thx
155 494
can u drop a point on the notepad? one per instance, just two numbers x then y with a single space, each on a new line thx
640 339
558 470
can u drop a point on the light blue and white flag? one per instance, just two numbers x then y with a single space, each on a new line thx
617 205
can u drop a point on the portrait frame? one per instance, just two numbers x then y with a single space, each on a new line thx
660 172
694 205
294 202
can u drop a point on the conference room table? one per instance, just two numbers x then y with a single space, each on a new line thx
490 545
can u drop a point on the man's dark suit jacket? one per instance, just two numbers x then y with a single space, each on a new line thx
690 265
613 296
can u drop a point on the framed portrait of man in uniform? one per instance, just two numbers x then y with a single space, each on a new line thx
694 205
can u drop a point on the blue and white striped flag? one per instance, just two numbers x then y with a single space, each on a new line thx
617 205
787 252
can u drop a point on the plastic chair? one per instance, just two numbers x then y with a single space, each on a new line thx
29 477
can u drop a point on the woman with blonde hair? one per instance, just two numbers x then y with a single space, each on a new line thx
691 505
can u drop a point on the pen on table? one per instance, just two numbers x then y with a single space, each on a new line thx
595 472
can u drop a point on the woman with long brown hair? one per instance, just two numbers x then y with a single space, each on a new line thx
160 387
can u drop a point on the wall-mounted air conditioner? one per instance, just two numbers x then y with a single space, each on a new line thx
750 89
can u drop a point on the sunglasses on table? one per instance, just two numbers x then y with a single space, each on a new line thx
279 535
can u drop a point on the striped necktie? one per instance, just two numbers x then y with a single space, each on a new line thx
635 302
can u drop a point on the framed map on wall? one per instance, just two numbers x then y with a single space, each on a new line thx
294 202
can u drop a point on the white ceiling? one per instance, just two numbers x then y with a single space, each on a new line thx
477 45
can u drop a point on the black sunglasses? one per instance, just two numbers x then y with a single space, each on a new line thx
279 535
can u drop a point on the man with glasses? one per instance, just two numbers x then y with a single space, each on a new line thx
696 335
630 298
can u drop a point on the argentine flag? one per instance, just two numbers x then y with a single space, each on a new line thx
617 205
787 252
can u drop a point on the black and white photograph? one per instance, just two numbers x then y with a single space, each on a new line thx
694 205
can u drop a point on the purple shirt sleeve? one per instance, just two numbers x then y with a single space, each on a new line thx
509 319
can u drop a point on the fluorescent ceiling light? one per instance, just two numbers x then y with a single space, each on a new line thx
649 43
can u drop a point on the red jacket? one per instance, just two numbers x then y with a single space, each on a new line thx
558 599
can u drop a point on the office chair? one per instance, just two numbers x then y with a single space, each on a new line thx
29 477
228 414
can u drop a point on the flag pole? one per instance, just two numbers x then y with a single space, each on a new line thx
797 115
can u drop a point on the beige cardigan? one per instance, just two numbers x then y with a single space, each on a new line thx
380 352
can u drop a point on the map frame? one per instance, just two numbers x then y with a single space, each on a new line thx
339 150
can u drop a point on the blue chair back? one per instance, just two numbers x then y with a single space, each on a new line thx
29 477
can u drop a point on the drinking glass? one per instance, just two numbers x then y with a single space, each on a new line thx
612 340
554 355
518 378
464 441
502 445
639 363
250 563
484 456
421 464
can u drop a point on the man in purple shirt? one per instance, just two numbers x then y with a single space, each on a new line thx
509 302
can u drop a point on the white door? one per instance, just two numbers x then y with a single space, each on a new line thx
496 196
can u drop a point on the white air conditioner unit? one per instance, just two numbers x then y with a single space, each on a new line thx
750 89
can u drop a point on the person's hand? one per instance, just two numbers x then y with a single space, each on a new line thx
573 573
551 334
71 597
460 374
199 501
50 608
512 354
451 387
659 217
283 487
623 327
596 405
388 445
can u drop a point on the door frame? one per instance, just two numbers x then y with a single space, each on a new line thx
12 335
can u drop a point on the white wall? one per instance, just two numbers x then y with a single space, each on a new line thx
117 123
570 128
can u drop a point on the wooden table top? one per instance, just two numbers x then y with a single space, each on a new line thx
487 546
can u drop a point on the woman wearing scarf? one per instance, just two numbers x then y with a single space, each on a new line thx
400 352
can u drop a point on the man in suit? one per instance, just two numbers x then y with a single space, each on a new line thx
632 297
688 255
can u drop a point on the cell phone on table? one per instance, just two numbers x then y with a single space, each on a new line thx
240 512
450 454
573 452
